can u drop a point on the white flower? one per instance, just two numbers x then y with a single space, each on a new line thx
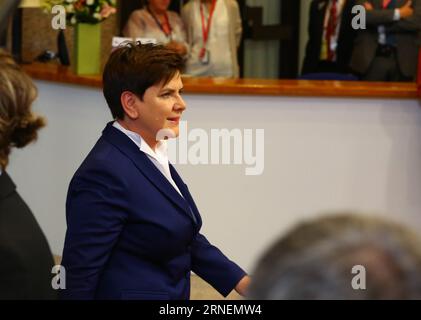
69 8
73 20
97 16
90 2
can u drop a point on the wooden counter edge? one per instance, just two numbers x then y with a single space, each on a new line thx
261 87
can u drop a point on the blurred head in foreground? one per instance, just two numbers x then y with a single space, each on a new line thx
342 257
25 256
18 125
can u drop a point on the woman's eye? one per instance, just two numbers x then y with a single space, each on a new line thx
165 95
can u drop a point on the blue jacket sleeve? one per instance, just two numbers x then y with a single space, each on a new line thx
95 218
209 263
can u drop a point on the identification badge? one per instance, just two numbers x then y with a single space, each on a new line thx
204 56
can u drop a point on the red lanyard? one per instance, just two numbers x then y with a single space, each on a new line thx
205 29
167 21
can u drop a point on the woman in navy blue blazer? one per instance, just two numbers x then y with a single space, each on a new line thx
132 225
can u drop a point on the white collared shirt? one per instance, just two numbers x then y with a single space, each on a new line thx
382 39
159 157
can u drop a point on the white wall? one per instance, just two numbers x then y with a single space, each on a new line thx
320 154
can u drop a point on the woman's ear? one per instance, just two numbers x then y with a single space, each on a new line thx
129 102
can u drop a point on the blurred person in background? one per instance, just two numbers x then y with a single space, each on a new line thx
316 260
25 257
155 21
388 49
330 37
214 34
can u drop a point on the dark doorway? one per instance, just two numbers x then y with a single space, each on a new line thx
287 32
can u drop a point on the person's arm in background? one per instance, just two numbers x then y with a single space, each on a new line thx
94 222
209 263
237 24
135 26
380 16
185 17
181 45
408 22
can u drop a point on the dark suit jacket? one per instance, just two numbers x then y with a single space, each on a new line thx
130 235
406 33
25 257
315 33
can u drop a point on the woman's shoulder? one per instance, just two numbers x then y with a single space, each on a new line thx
232 4
188 7
139 14
172 15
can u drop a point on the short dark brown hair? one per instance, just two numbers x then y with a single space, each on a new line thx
135 67
18 125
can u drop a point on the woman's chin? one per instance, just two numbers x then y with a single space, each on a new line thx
168 133
176 131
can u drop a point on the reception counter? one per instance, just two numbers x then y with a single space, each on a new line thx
305 88
326 146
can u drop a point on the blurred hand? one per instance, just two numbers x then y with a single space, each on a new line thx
243 285
178 47
368 6
406 10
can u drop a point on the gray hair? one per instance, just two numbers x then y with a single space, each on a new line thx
314 261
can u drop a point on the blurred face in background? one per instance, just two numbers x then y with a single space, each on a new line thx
159 6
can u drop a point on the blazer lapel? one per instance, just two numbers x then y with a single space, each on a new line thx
145 166
6 185
186 194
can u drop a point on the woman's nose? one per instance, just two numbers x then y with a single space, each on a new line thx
180 105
